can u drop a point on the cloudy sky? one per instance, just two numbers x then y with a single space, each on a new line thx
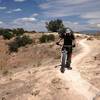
79 15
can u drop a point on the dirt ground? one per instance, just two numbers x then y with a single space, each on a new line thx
32 77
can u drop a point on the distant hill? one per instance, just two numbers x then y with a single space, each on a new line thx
90 31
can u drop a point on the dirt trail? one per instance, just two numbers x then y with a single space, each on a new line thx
47 83
80 85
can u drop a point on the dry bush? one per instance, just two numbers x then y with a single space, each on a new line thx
19 41
5 72
78 36
46 38
97 37
90 38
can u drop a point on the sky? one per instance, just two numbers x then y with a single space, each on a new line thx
80 15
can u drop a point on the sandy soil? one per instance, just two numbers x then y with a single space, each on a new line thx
47 82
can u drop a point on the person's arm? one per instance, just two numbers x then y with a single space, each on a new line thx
61 37
74 43
58 41
73 40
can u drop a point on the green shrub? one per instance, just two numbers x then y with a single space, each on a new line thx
24 40
7 35
19 42
47 38
1 31
43 38
13 46
51 37
18 31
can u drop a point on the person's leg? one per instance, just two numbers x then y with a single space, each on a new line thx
62 69
69 56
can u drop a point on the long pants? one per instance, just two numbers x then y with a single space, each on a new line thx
69 55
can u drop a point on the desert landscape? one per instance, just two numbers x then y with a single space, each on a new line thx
31 73
37 38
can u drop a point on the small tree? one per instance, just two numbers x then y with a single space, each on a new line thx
18 31
54 25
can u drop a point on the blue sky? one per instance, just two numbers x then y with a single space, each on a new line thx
32 14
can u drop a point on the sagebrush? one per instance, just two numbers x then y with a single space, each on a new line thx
47 38
18 42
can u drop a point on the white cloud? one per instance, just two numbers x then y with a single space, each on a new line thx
75 23
14 10
91 15
35 14
74 2
38 25
19 0
61 8
98 25
26 23
75 26
45 5
93 21
87 12
17 10
3 8
24 20
81 27
52 3
1 22
28 19
95 26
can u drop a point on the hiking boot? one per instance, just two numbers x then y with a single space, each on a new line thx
62 70
67 65
69 68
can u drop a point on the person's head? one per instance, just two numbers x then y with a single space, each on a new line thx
65 31
68 31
